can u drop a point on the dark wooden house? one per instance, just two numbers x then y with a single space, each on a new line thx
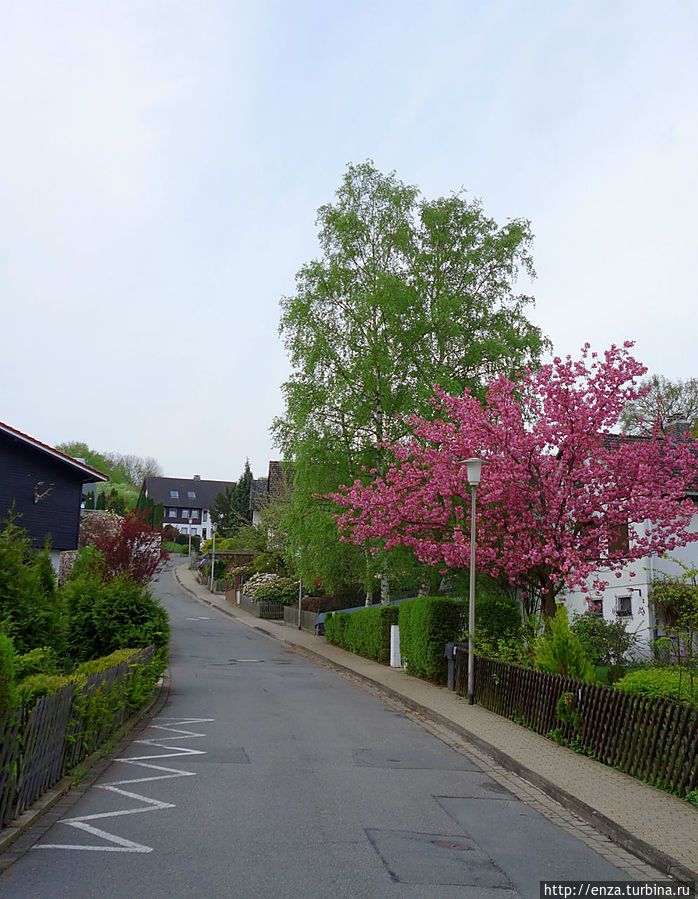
43 487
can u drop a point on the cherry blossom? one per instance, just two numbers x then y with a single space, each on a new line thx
559 488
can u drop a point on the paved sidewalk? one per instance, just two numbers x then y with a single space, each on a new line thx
656 827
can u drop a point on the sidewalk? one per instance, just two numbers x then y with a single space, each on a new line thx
658 828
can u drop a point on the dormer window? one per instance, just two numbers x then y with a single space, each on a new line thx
191 494
174 494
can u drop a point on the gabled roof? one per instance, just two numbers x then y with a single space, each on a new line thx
280 482
89 474
205 491
614 440
258 494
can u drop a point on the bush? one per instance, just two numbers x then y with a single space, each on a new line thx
8 694
604 642
29 610
104 616
497 617
665 683
365 632
271 588
559 651
426 625
42 660
37 685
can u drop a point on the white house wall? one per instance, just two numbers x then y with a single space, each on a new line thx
638 587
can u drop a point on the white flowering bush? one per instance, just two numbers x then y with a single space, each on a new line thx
271 588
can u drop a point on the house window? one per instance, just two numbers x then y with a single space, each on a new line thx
205 518
194 513
172 513
595 606
184 530
618 542
174 494
624 606
185 513
191 494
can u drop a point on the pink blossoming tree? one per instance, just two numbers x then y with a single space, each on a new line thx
558 490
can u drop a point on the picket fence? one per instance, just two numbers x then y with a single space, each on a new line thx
653 739
39 744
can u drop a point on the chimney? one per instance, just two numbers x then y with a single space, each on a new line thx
197 477
678 427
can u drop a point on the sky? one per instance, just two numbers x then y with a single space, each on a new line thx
162 163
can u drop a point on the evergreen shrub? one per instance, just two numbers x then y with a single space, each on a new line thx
426 625
8 694
664 683
366 632
559 651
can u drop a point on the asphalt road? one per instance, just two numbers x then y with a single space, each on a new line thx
268 775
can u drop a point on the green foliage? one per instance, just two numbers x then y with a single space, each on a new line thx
559 651
407 293
37 685
8 694
366 632
426 625
104 616
230 509
665 683
664 401
30 611
605 643
103 663
41 660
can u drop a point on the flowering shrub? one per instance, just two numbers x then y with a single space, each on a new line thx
271 588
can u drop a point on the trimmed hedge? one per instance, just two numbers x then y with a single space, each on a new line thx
366 632
426 625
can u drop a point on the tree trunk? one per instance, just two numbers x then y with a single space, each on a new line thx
385 587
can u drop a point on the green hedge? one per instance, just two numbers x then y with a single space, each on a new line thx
662 683
366 632
426 625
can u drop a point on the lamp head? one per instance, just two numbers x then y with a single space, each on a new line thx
474 467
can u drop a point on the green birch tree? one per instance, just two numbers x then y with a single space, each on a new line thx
407 293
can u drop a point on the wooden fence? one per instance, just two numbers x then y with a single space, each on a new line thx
40 743
272 611
308 619
653 739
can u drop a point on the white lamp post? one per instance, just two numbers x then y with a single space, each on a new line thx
474 467
213 555
190 541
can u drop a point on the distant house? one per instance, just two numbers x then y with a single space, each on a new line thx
186 501
44 488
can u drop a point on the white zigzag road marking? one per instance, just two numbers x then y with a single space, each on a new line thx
116 843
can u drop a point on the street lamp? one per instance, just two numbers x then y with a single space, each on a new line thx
190 541
474 467
213 555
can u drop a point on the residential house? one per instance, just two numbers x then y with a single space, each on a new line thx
43 487
628 597
186 501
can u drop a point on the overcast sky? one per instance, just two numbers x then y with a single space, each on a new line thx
162 162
